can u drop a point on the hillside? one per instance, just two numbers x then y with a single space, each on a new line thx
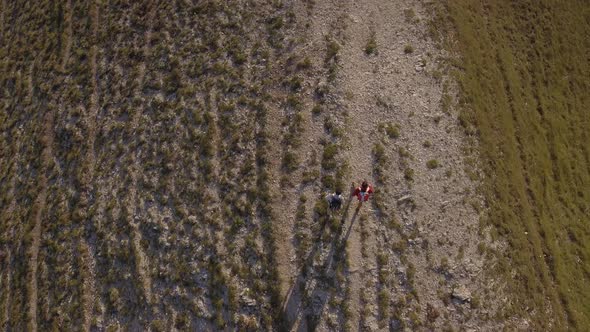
524 74
164 165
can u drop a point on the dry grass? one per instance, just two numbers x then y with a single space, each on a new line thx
523 73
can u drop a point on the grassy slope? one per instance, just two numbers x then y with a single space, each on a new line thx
525 79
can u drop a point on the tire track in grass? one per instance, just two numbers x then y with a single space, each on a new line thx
87 260
38 208
39 205
68 32
8 248
285 250
2 10
7 291
30 81
142 265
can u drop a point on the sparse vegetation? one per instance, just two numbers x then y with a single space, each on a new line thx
165 165
145 107
371 47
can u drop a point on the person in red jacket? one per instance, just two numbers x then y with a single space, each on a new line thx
363 193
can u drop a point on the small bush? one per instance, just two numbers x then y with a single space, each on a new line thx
290 161
379 153
316 110
383 299
304 64
114 298
371 47
332 51
432 164
381 259
409 174
296 83
294 102
310 176
408 49
409 14
392 130
329 156
328 182
403 152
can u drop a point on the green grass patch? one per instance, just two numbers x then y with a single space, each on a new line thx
524 77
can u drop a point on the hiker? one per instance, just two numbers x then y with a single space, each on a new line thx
362 193
335 200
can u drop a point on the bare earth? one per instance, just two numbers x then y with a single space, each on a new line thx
407 272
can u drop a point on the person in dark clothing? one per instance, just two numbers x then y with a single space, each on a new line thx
335 200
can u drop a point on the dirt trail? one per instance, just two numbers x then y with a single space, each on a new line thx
357 81
395 86
39 205
69 33
2 10
392 262
30 83
142 264
39 209
10 212
7 273
87 261
88 264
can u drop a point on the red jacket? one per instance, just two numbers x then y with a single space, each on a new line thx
363 196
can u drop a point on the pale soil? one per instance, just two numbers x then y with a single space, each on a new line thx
398 88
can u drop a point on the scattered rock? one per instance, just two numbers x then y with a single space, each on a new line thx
202 309
404 199
246 299
462 293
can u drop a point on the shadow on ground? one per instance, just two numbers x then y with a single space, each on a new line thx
301 312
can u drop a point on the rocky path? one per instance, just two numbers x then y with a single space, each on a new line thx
416 243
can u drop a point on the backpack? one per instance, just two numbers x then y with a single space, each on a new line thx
335 202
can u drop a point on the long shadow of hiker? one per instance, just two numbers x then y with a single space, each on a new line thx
296 302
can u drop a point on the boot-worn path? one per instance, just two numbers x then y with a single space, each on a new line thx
409 251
